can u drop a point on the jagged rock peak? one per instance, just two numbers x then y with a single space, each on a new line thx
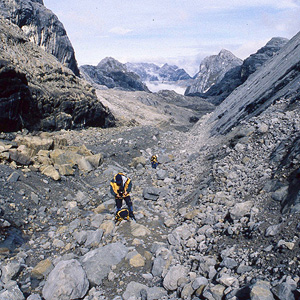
211 71
42 27
256 60
277 78
239 74
110 64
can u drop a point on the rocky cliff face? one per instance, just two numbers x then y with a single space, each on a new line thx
279 78
211 71
38 92
112 74
239 74
152 72
41 27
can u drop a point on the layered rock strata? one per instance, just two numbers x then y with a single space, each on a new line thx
38 92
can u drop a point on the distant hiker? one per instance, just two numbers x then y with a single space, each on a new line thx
154 161
120 187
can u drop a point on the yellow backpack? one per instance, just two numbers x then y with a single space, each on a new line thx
122 214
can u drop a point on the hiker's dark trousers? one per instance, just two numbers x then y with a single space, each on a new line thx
128 203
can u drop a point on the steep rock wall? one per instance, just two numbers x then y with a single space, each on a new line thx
42 27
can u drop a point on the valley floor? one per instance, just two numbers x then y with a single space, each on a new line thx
207 226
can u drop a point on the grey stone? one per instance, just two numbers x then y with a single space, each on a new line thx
199 281
242 269
161 174
34 297
10 270
97 263
261 290
13 177
151 193
135 290
241 209
273 230
66 281
93 238
172 277
11 291
280 194
228 263
284 291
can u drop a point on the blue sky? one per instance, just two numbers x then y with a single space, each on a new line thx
180 32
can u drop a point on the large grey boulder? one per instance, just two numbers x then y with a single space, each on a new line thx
11 291
66 281
97 263
42 27
261 290
170 281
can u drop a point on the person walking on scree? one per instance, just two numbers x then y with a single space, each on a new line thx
120 187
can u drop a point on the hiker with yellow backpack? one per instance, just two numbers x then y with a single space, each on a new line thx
154 161
120 187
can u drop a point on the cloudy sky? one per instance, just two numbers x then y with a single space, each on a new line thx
180 32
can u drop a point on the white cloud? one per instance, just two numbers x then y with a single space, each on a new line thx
120 30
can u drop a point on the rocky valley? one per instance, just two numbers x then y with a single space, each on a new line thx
219 219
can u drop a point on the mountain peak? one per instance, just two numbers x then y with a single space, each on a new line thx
109 64
211 71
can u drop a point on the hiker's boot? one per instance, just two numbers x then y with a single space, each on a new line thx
132 217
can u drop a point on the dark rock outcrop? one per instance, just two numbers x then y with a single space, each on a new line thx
38 92
279 78
152 72
211 71
239 74
41 27
112 74
15 99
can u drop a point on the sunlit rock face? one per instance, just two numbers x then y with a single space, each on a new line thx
211 71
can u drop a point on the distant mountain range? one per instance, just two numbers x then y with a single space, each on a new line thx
152 72
112 74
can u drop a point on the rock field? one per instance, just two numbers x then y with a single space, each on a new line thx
213 221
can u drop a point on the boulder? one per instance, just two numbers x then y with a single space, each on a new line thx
97 263
66 281
11 291
151 193
51 172
135 289
261 290
174 274
42 269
